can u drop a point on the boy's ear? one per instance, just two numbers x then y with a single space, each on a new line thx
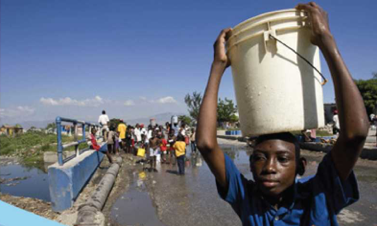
301 166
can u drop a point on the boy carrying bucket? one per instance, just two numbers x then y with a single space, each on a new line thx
275 197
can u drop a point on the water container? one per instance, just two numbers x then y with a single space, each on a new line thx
174 119
152 122
276 90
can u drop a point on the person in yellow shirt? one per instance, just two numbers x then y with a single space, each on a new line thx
122 128
180 152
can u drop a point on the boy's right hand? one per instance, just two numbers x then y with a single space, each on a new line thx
220 56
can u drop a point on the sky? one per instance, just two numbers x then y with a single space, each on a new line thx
139 58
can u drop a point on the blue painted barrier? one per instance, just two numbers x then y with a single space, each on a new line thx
67 181
233 132
68 176
13 216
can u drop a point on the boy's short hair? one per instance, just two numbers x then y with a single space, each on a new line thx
285 136
103 112
180 137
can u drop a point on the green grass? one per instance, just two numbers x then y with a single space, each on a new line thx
31 145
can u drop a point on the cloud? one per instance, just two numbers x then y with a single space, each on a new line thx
20 111
97 101
162 100
166 100
94 102
129 103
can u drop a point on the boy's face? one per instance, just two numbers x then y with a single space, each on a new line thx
273 165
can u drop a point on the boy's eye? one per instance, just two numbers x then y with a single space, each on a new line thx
283 159
258 157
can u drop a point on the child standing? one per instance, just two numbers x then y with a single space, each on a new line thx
128 139
180 152
154 149
192 139
111 141
163 147
117 141
171 140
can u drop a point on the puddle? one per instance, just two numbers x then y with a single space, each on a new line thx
35 184
135 207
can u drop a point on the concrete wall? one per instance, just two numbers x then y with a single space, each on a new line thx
66 182
52 156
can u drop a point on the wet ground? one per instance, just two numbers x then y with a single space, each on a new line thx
165 198
20 180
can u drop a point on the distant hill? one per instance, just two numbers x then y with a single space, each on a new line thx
37 124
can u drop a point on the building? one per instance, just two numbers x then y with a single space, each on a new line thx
11 130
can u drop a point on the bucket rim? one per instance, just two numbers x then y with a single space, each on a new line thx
264 19
264 15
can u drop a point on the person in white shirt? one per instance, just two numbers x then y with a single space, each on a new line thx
137 134
103 120
336 126
182 130
144 135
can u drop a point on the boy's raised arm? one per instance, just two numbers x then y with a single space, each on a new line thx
207 121
353 119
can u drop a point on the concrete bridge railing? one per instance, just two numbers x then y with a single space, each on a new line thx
68 176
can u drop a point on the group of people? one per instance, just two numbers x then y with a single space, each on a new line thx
165 144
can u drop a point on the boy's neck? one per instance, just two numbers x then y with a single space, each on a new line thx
284 199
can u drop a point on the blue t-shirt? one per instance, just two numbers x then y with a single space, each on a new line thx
316 199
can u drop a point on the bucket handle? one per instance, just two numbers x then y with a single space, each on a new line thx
270 35
266 36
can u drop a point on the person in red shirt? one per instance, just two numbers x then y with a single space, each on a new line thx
96 147
163 146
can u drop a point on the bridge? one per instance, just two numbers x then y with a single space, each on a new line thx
67 178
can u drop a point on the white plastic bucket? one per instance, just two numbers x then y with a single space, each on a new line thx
174 119
276 91
152 122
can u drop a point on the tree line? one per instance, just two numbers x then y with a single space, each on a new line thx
226 109
368 90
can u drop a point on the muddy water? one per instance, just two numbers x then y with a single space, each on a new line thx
192 199
30 181
135 206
